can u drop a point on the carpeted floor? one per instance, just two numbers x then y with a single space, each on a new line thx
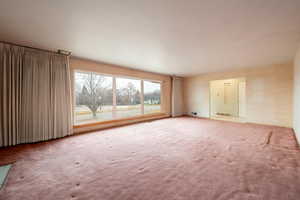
170 159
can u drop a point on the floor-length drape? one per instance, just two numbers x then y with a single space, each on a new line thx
36 100
11 68
177 96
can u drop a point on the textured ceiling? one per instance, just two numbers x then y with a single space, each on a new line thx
173 37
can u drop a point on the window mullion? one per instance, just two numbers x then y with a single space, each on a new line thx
114 97
142 97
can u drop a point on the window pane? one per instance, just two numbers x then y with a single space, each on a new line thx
128 97
93 97
151 97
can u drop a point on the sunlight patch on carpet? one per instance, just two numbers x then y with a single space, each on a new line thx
4 169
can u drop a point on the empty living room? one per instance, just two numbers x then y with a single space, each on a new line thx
150 100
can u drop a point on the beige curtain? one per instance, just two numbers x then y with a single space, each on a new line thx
35 95
177 96
11 68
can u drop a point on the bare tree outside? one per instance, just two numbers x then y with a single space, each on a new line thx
93 92
128 95
94 97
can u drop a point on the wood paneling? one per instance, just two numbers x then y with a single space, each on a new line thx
139 117
117 123
269 92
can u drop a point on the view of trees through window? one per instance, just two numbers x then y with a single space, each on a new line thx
101 98
151 97
93 97
128 92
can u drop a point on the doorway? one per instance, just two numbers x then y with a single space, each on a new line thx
228 99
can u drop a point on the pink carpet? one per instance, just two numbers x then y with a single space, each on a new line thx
170 159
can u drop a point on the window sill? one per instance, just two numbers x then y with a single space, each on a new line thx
113 122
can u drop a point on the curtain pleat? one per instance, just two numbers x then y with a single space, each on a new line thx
35 102
10 91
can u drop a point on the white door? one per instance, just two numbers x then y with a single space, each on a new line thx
224 97
217 98
231 97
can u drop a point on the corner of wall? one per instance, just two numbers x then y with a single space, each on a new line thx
296 120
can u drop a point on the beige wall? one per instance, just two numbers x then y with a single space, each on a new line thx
269 92
297 96
108 69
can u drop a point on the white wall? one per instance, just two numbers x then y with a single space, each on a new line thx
297 95
269 93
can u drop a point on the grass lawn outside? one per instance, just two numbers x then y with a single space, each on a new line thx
83 115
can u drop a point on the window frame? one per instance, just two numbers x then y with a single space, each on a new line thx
114 100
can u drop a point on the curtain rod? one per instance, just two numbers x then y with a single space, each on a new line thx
60 51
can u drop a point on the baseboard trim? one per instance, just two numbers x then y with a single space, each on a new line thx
241 122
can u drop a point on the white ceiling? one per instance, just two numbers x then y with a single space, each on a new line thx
182 37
